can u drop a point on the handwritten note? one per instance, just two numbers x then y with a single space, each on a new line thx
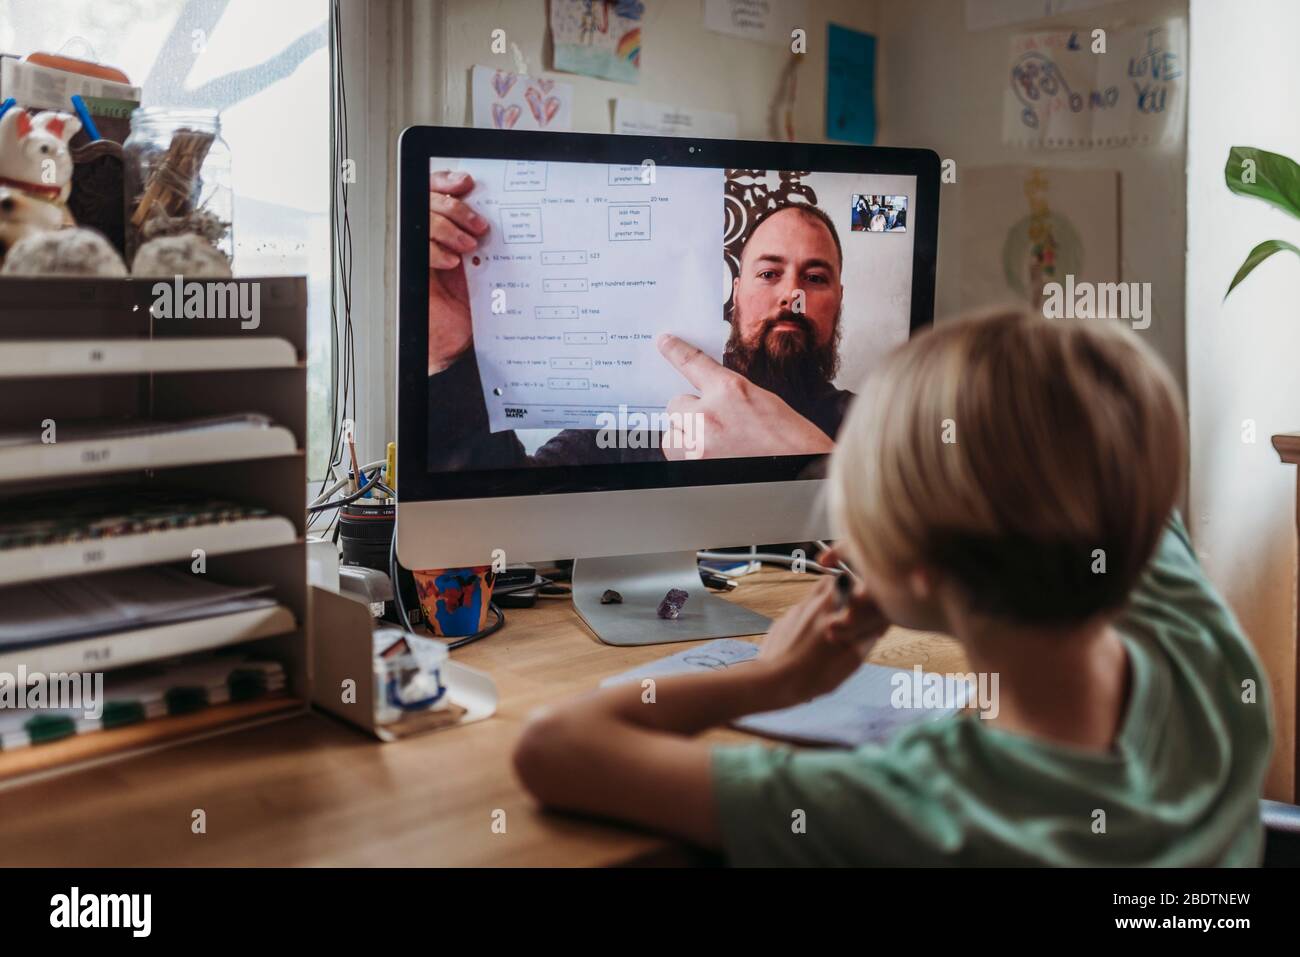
1064 91
643 118
985 14
760 20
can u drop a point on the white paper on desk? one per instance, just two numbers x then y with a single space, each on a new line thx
583 266
643 118
857 712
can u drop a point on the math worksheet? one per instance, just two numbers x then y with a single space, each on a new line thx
584 265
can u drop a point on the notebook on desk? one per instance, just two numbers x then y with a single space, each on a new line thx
862 710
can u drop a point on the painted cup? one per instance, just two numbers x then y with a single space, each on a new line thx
456 600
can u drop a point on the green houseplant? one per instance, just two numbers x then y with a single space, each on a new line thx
1273 178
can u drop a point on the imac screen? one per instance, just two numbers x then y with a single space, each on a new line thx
594 314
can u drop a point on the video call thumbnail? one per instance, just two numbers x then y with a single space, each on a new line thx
879 214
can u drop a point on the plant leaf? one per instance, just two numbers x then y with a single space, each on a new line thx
1257 256
1277 177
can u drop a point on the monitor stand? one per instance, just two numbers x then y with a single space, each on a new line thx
643 580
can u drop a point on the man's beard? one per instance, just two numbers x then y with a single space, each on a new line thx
788 363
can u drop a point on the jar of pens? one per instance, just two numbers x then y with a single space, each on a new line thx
177 179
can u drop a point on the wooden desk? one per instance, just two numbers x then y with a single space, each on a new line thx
312 791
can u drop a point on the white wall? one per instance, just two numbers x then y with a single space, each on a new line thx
941 87
682 63
1241 354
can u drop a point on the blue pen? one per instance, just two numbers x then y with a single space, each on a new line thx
4 107
80 106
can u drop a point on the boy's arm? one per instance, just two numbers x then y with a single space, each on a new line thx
621 753
624 752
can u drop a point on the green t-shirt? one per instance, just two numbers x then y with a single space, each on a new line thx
1181 787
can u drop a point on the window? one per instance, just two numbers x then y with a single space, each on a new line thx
265 66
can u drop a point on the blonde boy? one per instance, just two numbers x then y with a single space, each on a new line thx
1011 481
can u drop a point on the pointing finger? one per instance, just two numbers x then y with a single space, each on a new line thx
700 369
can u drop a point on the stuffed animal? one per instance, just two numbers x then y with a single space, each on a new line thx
34 156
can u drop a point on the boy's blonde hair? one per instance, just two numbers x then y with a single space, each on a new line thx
1034 461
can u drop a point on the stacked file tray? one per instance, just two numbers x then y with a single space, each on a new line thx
152 481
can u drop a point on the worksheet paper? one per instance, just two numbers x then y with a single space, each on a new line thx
583 266
858 712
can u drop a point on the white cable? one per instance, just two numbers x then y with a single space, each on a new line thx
770 557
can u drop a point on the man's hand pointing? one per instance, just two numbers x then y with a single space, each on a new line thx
731 417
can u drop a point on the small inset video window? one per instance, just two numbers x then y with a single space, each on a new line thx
879 214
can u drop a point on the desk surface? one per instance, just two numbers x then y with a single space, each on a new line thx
312 791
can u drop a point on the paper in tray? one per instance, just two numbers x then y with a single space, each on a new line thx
64 609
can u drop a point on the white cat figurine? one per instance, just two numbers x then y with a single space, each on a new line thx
34 156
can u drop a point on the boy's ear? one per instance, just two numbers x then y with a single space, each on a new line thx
921 583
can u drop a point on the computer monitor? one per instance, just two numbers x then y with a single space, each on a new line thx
540 414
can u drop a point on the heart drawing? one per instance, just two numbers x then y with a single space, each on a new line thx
544 110
504 118
502 82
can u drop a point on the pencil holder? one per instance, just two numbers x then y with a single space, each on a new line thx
456 600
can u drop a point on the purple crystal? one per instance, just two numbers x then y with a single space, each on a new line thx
671 606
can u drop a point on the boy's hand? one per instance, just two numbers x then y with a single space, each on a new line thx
815 646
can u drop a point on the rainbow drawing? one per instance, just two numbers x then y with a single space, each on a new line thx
629 47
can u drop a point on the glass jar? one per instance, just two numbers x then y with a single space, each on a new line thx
177 179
